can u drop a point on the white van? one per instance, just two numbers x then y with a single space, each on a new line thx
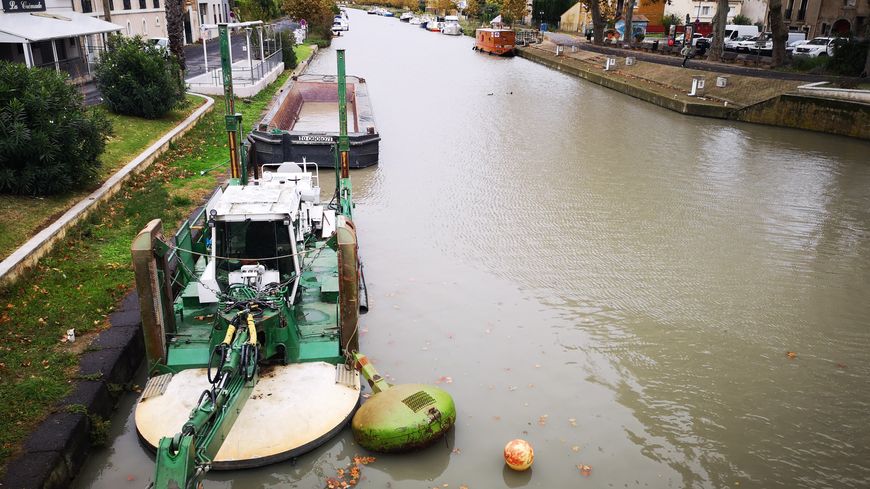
732 32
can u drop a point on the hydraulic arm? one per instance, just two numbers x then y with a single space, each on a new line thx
184 459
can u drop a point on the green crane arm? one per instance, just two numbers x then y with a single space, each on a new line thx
184 459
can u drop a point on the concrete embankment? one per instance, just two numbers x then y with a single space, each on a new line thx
791 110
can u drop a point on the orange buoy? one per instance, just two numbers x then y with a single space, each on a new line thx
518 454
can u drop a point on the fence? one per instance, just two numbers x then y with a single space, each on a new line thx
243 73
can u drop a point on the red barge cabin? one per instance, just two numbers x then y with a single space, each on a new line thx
497 39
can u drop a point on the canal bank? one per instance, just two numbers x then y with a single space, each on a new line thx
779 106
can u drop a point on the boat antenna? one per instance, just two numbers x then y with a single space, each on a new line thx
342 168
238 170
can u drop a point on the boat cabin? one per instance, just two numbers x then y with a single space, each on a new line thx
496 39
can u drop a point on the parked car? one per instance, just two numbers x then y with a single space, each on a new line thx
761 42
819 46
731 44
340 24
162 43
734 32
789 48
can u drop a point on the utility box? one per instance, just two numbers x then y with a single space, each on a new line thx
697 86
630 60
721 81
610 63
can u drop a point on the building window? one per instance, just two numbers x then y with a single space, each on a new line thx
87 7
111 5
144 28
802 13
156 3
203 13
142 5
127 5
129 31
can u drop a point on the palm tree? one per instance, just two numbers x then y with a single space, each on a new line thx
175 30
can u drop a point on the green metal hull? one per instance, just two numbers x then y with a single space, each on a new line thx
403 418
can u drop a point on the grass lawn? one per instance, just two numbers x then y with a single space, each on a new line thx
21 217
81 281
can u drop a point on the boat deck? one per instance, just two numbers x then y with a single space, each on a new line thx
316 316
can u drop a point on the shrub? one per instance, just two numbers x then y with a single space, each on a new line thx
140 79
49 143
812 65
741 19
849 58
288 54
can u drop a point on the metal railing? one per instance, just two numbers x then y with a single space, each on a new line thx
77 68
242 75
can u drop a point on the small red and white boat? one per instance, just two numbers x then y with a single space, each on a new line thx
496 39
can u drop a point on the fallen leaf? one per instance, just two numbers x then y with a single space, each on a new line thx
575 448
457 451
572 421
791 355
543 420
585 470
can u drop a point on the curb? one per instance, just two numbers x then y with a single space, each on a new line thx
55 452
39 245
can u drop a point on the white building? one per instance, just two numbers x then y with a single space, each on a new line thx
756 10
48 33
700 12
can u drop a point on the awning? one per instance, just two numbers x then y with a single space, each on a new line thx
42 26
639 18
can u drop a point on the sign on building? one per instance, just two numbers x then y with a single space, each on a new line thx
13 6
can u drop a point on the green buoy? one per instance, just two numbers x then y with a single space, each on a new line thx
402 417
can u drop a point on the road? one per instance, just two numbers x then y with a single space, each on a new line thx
696 64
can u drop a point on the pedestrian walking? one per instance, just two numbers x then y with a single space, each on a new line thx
687 53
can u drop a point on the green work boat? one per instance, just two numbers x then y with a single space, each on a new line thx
250 318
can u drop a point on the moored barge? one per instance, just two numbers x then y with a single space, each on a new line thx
303 124
496 39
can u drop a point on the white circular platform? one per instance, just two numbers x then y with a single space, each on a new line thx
293 409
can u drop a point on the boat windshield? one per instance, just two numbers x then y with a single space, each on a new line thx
253 242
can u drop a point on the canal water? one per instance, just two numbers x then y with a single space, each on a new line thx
613 282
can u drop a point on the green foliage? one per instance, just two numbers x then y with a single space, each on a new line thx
139 78
100 427
741 19
288 41
812 65
849 58
669 20
49 143
490 11
552 9
317 13
265 10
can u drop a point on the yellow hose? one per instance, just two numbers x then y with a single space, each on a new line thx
231 330
252 330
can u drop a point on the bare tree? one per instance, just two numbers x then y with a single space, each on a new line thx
175 30
597 22
777 28
717 45
627 14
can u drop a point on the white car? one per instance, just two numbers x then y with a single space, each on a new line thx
340 24
162 43
731 44
761 42
792 45
820 46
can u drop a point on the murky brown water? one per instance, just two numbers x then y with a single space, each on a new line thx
615 283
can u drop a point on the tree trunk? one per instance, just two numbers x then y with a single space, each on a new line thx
866 72
175 30
597 22
628 37
107 12
780 34
717 45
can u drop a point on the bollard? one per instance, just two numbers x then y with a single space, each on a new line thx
573 49
697 86
609 63
721 81
629 60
